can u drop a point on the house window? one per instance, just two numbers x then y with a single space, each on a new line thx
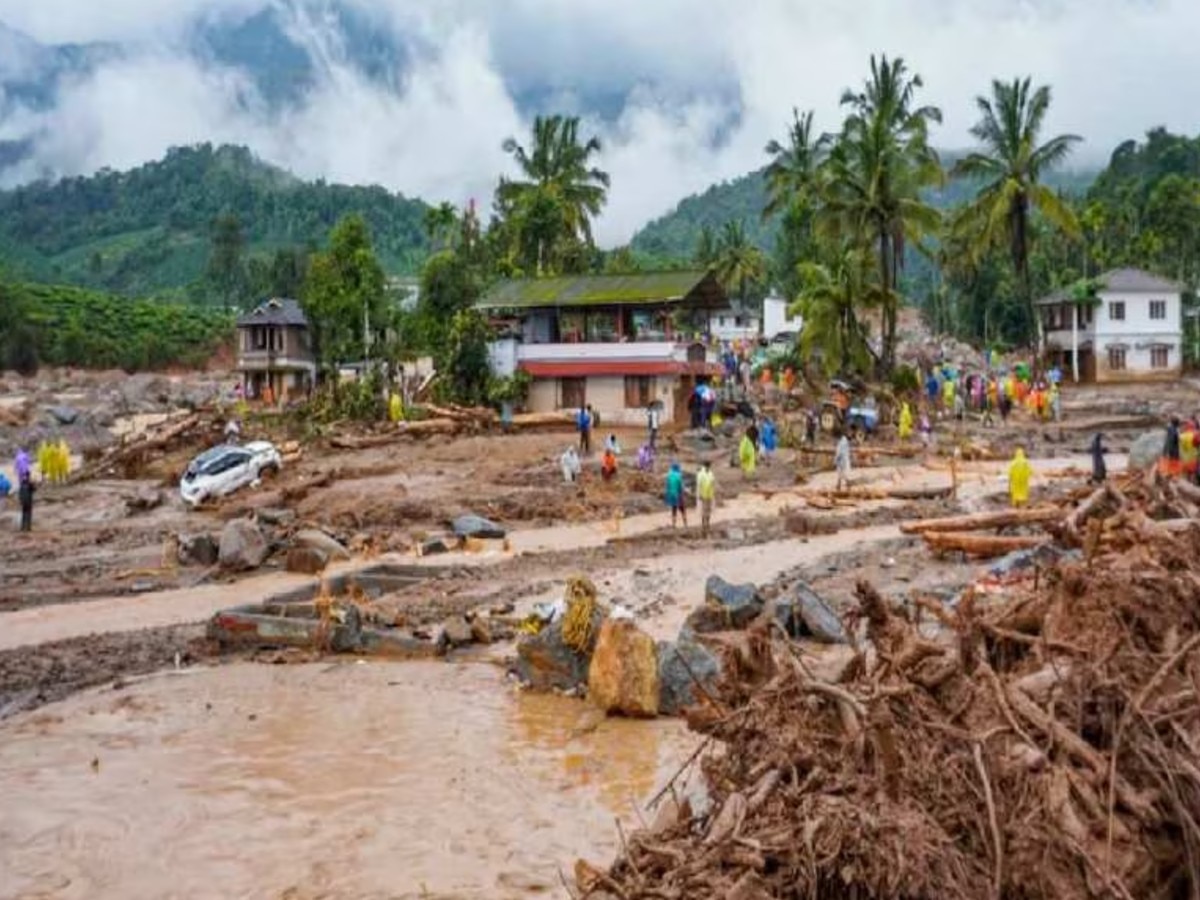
601 326
1116 359
573 393
1159 356
1158 309
639 391
260 338
1116 311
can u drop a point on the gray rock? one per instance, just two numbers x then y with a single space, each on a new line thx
456 632
242 546
677 687
783 611
433 546
545 662
198 550
1146 450
307 560
271 516
145 499
64 415
472 526
817 619
312 537
740 602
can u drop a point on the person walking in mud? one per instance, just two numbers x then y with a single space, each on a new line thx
674 494
841 462
1099 469
1019 474
25 495
653 419
706 493
583 421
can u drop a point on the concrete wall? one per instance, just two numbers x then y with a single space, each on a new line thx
776 318
502 357
1139 334
606 394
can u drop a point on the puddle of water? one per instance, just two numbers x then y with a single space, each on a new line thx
327 780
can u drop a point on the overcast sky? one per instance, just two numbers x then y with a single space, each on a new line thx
688 70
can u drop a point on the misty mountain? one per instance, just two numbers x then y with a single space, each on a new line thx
147 231
674 235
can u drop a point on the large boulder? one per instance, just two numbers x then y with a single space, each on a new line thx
545 661
740 602
817 620
307 560
456 632
783 611
623 675
1146 450
242 546
198 549
312 537
677 677
471 526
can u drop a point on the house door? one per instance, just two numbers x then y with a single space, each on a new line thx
683 391
574 393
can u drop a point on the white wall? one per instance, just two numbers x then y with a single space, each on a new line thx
776 318
1138 334
606 394
502 357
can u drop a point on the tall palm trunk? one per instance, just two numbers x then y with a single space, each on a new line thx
887 356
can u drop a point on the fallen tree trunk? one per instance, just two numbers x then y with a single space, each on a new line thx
927 493
979 545
981 521
148 442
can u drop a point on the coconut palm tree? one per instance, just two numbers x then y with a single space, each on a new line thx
739 263
559 192
792 175
875 173
441 222
1010 167
831 294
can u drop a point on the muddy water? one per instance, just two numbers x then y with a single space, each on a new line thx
328 780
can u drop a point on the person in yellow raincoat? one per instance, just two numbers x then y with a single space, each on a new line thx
1019 473
906 422
748 455
395 409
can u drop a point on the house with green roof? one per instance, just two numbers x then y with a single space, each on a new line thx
616 342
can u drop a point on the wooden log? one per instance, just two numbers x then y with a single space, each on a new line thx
1004 518
147 442
927 493
979 545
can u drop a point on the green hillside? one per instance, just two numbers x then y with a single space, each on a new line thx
65 325
675 234
148 231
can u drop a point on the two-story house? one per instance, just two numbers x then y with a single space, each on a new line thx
275 350
616 342
1131 329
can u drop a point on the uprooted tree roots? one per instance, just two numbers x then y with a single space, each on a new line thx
1042 746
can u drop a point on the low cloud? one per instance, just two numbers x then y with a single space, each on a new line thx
700 87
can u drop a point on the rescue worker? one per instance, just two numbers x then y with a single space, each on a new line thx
747 454
706 493
1019 473
1171 464
608 464
25 495
841 462
570 465
906 421
674 494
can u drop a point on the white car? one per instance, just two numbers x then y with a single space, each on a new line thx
224 469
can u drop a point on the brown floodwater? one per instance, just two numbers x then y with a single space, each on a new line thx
350 779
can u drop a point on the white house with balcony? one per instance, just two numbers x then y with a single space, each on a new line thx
1129 329
615 342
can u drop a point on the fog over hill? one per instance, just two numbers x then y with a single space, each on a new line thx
419 96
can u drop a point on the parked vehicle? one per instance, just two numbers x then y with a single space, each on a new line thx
226 468
857 417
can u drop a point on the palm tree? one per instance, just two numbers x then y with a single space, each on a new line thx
738 262
876 170
830 296
792 175
561 191
1011 166
706 246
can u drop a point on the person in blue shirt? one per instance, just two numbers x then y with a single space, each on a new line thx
674 494
768 439
932 389
583 422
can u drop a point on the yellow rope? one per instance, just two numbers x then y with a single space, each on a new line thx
577 621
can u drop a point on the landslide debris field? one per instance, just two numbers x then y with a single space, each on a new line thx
901 690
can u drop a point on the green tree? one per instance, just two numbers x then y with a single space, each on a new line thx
442 225
344 294
1011 167
792 175
706 247
739 264
1173 216
831 293
226 265
875 173
449 285
464 358
552 205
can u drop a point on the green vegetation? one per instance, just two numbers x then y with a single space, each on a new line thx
70 326
204 222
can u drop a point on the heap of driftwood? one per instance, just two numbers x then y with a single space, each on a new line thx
1043 744
450 420
129 457
1170 503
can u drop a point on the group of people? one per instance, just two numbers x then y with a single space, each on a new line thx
23 470
1181 449
950 393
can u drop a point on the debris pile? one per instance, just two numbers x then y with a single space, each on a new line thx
1039 743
